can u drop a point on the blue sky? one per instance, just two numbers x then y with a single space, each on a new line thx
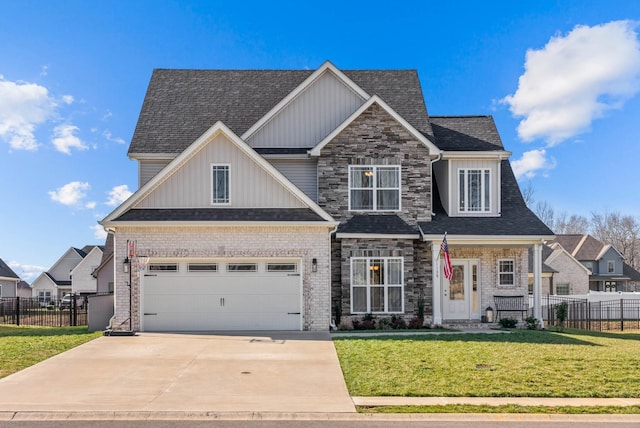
559 77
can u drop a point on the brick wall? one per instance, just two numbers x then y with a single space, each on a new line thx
303 242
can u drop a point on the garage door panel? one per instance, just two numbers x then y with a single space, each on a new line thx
188 301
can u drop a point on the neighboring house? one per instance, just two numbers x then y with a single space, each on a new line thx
8 281
104 272
24 289
269 199
53 284
82 279
609 271
562 273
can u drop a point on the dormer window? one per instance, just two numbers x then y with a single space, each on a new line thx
220 184
374 188
475 190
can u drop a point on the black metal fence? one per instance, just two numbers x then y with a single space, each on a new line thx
31 311
607 315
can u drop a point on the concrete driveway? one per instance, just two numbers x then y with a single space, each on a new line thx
255 372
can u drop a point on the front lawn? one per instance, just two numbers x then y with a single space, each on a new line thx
21 347
521 364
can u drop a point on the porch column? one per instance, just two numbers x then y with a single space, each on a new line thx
537 283
437 284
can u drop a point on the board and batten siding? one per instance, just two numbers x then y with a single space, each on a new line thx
310 117
448 181
302 172
189 186
147 169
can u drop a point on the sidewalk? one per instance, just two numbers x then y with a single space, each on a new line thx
493 401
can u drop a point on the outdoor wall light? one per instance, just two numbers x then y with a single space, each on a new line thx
126 265
314 265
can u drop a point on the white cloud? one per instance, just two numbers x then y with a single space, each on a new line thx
67 99
71 193
99 232
64 139
26 272
23 106
575 79
118 195
107 134
531 163
90 205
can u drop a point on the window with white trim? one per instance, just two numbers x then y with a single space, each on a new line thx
475 190
220 184
163 267
611 266
374 188
562 289
506 272
377 285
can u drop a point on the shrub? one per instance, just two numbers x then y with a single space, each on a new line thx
562 310
508 322
415 323
398 323
531 323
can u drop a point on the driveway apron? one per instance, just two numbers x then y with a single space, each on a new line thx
261 372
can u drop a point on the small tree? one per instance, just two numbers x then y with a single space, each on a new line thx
562 310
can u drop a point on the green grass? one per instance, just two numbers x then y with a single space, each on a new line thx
509 408
520 364
21 347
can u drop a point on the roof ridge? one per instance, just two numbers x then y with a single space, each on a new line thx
580 244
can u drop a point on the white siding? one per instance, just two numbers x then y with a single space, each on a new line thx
61 270
82 281
453 174
147 169
302 172
189 186
310 117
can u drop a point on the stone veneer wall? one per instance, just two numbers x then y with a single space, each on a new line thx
375 138
415 272
305 242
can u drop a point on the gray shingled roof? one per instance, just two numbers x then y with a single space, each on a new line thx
588 251
466 133
546 252
377 224
6 271
180 105
516 219
220 214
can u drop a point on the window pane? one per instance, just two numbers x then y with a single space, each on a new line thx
220 185
157 267
395 271
463 195
376 272
282 267
362 199
388 177
242 267
359 299
377 299
388 200
487 192
203 267
475 200
395 299
359 272
361 177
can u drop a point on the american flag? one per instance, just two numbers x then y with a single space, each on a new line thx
448 270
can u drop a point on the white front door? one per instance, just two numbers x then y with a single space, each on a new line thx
460 296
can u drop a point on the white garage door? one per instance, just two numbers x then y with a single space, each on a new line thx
230 294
